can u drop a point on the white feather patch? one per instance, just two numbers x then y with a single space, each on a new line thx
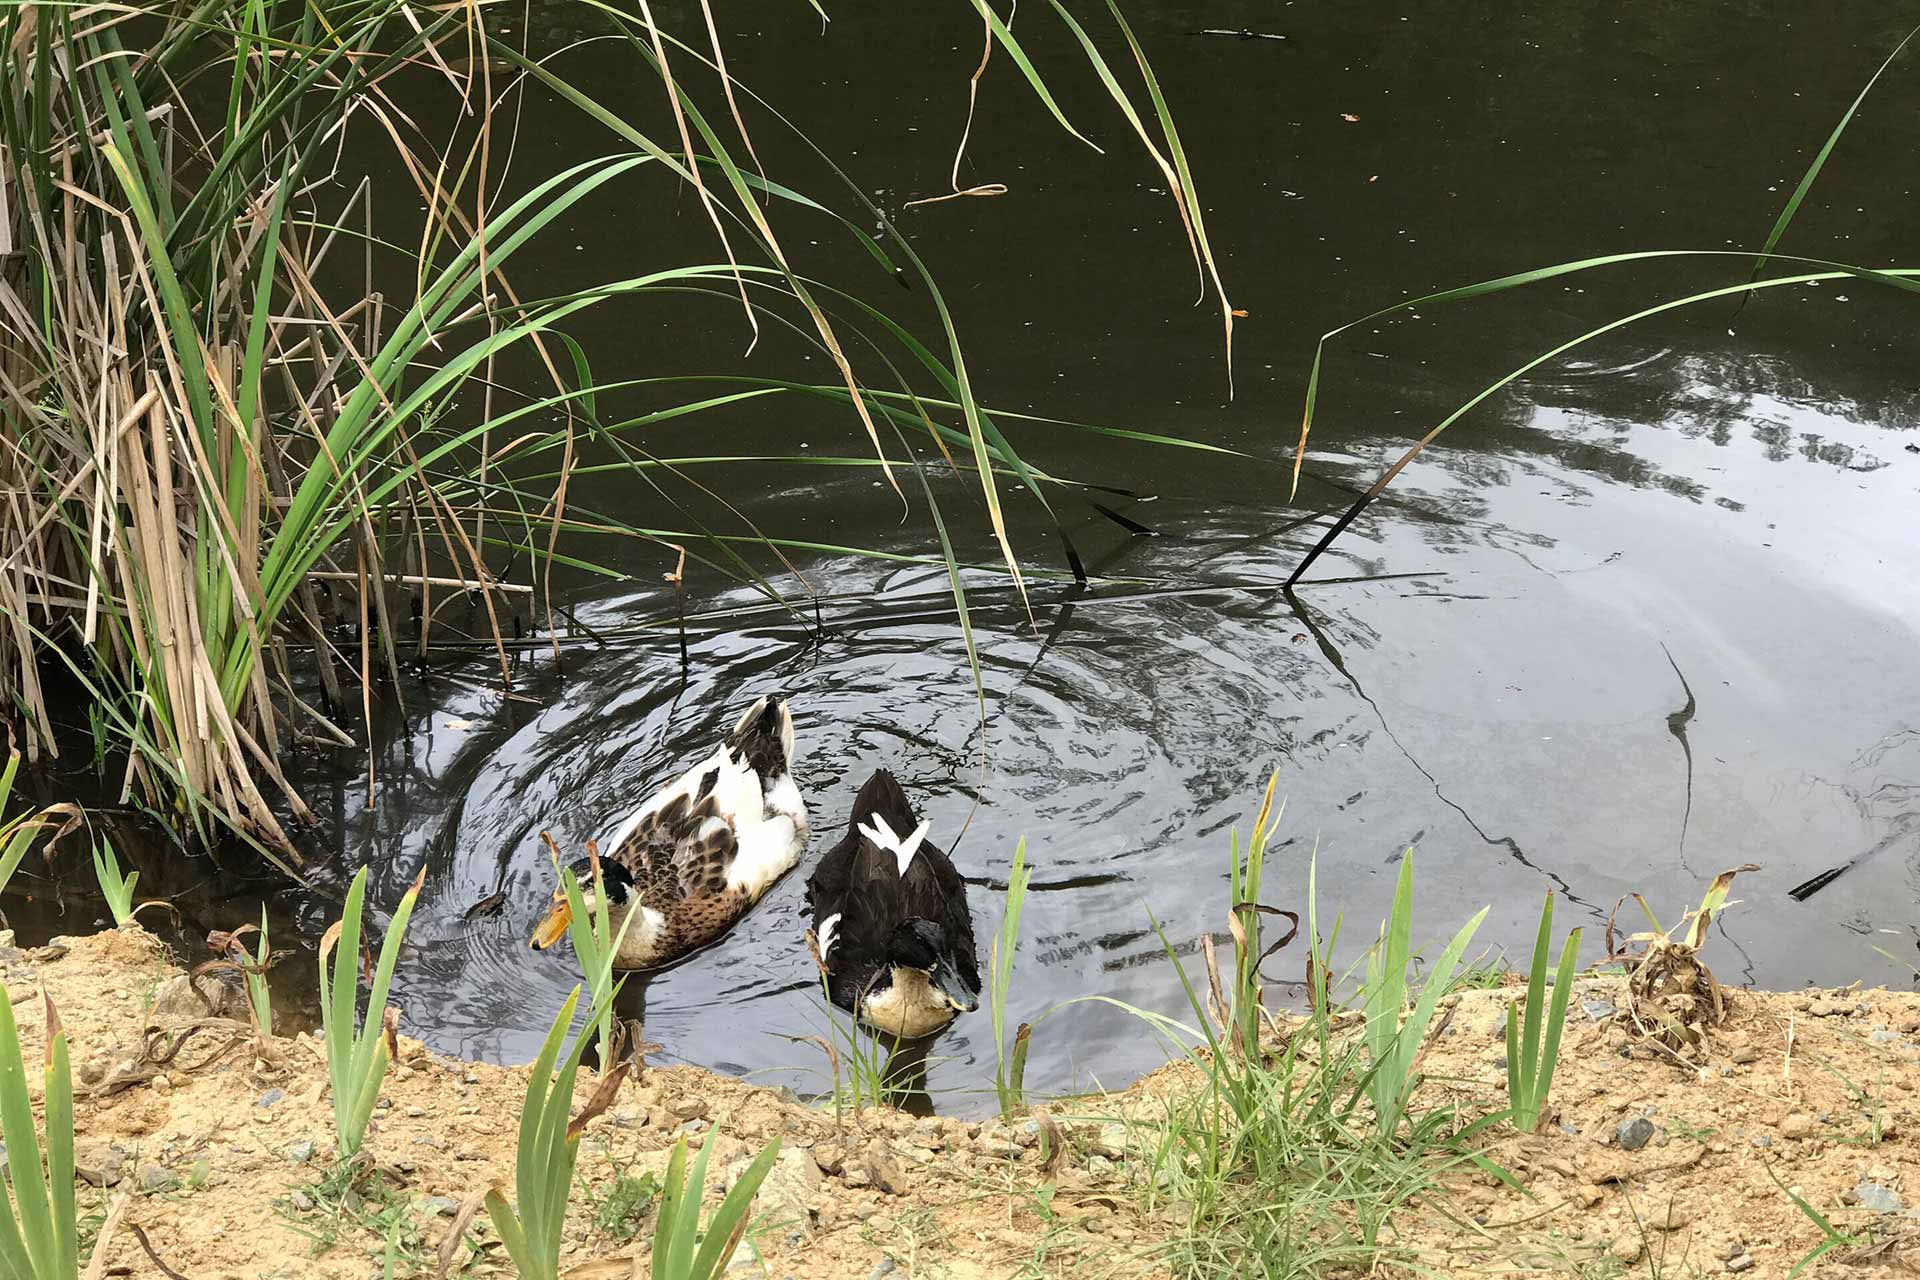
884 836
827 927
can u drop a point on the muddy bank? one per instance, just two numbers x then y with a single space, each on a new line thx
225 1150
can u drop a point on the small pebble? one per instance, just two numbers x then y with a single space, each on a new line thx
1744 1055
1796 1126
1634 1134
1884 1035
1740 1262
884 1267
270 1097
300 1152
301 1201
1875 1198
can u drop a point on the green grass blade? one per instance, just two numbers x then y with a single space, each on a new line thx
1556 1021
712 1258
1537 986
512 1234
1807 180
666 1222
58 1110
680 1254
1004 35
23 1149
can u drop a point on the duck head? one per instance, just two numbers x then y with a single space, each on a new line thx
614 878
921 945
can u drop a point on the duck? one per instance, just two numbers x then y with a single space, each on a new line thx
700 852
891 926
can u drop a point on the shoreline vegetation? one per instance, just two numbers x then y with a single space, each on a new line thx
1429 1111
1778 1143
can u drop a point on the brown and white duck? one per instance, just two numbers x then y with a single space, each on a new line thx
702 851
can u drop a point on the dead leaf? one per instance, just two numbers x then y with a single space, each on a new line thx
602 1099
468 1211
1053 1144
53 1026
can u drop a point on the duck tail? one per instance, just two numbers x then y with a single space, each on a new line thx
764 737
883 798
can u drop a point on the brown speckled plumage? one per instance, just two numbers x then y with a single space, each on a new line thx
682 855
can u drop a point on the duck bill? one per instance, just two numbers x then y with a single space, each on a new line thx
554 927
947 980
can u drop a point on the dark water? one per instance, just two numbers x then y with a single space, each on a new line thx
1648 614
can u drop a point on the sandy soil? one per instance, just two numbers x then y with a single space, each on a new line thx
224 1149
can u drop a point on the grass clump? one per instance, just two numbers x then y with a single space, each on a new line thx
1533 1037
359 1050
1394 1032
1305 1135
619 1206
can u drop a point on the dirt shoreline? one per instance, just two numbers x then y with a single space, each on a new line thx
224 1149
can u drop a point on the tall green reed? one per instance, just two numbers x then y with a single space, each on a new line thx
531 1225
595 942
680 1250
1903 279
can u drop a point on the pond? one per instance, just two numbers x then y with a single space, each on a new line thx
1648 614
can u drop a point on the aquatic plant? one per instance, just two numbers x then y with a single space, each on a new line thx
38 1236
17 833
115 886
1009 1064
259 996
359 1050
1533 1037
170 335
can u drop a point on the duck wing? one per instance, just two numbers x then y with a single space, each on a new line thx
682 843
932 889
